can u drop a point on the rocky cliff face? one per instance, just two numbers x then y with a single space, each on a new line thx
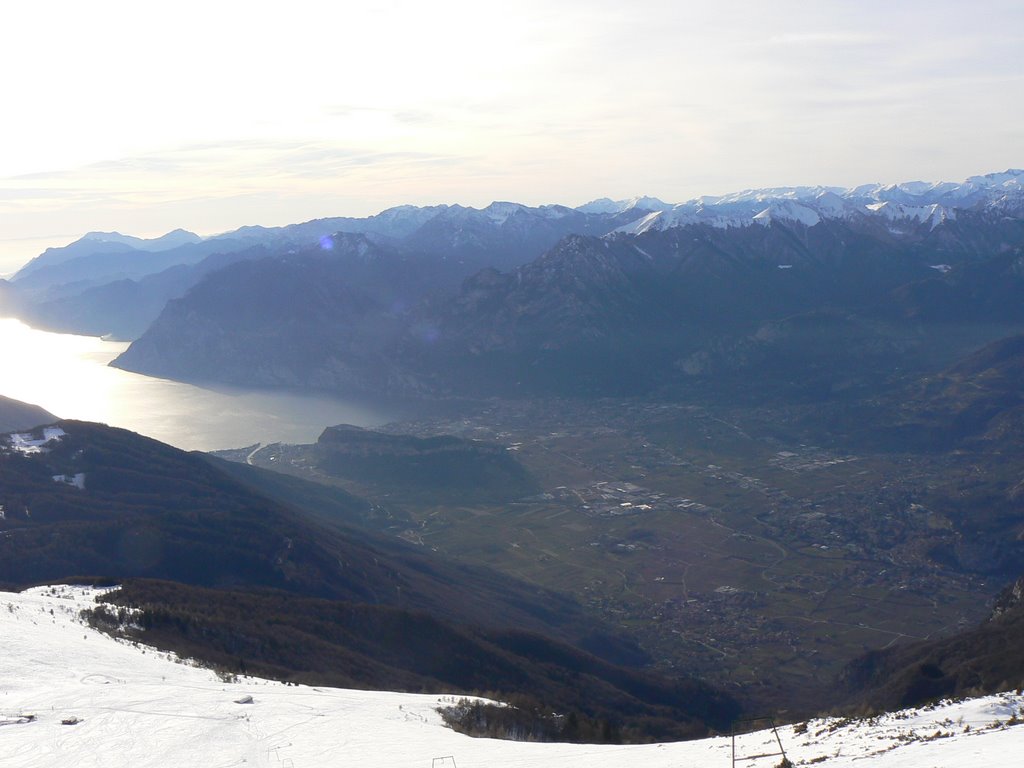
287 322
1010 600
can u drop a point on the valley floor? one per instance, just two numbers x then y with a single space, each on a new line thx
70 695
744 545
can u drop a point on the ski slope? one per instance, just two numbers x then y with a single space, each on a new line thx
73 697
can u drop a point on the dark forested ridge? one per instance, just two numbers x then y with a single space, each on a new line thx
432 468
147 509
986 659
320 642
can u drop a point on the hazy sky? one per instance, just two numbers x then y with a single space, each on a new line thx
143 117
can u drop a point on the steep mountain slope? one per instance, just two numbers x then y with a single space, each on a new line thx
628 313
338 643
976 403
985 659
101 501
984 394
296 322
98 243
9 299
133 706
986 290
125 308
48 282
15 414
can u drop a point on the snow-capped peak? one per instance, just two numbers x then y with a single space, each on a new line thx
802 194
607 205
499 211
829 205
656 220
788 211
647 204
1012 178
934 214
600 205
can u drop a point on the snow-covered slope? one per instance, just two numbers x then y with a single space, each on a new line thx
933 215
71 696
787 210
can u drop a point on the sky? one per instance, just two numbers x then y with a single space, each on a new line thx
145 117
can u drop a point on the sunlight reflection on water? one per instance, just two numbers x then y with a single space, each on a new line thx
68 376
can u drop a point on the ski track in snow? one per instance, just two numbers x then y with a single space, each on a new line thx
139 707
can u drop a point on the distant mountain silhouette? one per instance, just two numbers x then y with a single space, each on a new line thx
17 415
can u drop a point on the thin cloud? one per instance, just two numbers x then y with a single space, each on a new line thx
828 39
206 170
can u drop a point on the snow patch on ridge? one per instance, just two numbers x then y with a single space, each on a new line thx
26 443
76 480
498 212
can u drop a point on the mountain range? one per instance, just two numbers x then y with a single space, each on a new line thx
624 312
108 283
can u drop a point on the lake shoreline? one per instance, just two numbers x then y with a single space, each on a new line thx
69 376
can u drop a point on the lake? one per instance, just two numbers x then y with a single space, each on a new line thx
68 376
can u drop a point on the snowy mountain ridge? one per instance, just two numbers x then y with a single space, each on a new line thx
607 205
915 202
72 695
1002 192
